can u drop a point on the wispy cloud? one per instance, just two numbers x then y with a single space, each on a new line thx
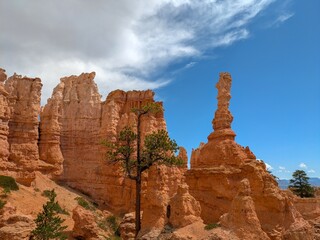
282 18
282 14
311 171
283 170
127 43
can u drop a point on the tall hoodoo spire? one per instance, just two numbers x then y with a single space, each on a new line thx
223 117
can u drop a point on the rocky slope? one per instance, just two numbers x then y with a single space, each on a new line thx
18 214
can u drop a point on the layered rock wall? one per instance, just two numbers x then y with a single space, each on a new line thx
20 108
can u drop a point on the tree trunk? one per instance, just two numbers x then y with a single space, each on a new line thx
138 204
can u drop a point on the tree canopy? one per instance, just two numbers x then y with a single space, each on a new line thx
300 184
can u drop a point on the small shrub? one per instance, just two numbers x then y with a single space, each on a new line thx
83 203
2 203
112 221
8 182
109 222
47 193
211 226
37 190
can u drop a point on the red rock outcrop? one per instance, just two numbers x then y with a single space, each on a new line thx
184 157
13 225
162 184
309 208
86 225
217 168
183 209
127 227
4 122
72 124
50 130
242 218
22 96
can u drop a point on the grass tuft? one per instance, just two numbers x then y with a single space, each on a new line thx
83 203
211 226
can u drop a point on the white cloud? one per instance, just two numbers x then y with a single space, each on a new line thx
282 168
303 165
269 167
127 43
311 171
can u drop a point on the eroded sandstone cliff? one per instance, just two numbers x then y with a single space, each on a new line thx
73 123
20 108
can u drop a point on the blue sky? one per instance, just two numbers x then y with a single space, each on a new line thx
275 92
177 48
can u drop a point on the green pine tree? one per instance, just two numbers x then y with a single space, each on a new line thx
48 222
135 157
300 184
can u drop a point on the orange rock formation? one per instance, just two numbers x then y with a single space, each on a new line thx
68 149
73 123
4 122
86 224
242 218
14 225
20 107
184 209
217 168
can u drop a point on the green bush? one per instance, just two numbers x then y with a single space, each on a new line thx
2 203
211 226
83 203
8 182
48 222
